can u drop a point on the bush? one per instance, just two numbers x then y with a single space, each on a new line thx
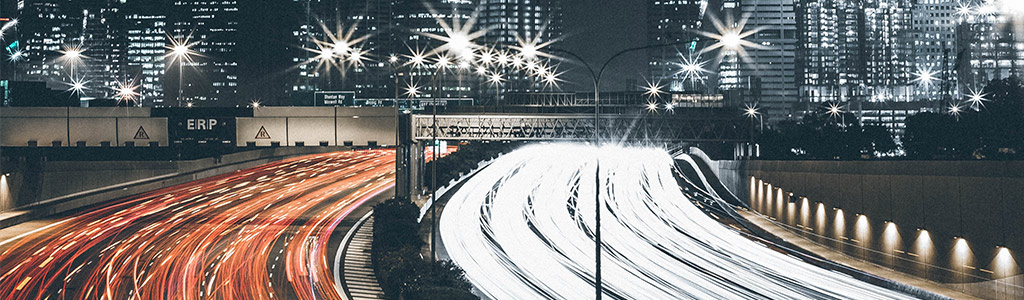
463 161
395 254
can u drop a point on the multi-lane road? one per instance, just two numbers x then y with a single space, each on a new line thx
260 233
522 229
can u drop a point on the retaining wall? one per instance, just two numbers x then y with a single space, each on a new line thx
956 222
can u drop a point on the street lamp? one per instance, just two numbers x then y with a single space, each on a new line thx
653 90
126 91
925 77
71 56
954 110
180 52
496 80
595 76
441 66
77 85
751 112
652 106
692 69
341 48
836 110
731 40
976 98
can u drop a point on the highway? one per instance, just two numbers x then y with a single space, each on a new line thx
522 229
260 233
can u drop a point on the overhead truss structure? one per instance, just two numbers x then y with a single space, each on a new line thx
580 127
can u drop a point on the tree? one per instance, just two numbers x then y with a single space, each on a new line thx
877 139
998 126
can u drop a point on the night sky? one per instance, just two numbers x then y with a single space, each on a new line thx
594 29
597 29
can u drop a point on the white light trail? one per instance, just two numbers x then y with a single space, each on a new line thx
520 229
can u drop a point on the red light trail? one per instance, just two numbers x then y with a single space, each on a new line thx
259 233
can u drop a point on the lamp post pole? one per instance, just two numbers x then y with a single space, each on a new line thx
596 77
180 79
433 169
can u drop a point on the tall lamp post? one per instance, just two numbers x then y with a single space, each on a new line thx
72 56
441 67
595 76
751 112
180 52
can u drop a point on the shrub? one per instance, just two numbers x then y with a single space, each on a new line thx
395 254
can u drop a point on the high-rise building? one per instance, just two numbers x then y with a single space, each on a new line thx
368 26
988 46
413 20
211 78
761 74
509 23
51 30
854 51
101 38
934 32
675 22
44 28
146 35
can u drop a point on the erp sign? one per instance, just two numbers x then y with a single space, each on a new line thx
202 125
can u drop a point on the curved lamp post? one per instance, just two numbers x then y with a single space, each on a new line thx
596 77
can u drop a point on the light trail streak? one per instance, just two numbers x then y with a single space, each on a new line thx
258 233
521 229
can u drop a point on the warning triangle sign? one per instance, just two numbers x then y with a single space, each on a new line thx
262 134
141 134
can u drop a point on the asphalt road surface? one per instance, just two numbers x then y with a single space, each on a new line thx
260 233
522 229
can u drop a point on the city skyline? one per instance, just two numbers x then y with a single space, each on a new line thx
793 53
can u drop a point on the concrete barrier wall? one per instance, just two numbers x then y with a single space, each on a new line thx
908 215
363 130
119 125
311 131
42 130
70 125
99 130
153 130
41 188
311 125
274 130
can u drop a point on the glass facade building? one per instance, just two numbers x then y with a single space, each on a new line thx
212 75
675 22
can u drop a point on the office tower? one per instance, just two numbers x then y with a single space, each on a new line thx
212 77
934 32
416 18
101 38
367 25
510 23
854 50
988 45
44 27
146 35
761 74
675 22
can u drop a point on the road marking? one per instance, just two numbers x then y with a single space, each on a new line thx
360 279
341 250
